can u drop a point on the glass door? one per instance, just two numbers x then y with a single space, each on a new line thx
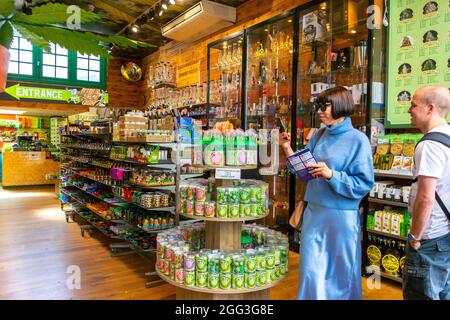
269 100
225 80
333 39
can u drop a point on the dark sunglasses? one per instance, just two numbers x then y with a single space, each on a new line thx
322 106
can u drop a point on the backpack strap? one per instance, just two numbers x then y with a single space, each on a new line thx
445 140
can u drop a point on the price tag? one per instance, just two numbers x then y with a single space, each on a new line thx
228 174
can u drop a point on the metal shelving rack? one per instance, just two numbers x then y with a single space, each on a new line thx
391 175
129 246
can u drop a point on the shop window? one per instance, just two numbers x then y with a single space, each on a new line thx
59 66
56 63
88 68
21 57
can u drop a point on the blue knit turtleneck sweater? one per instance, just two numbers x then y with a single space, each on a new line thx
347 152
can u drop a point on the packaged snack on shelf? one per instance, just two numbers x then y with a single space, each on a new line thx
396 221
397 163
210 209
378 220
396 145
386 222
407 164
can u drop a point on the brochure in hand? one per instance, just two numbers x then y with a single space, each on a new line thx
298 162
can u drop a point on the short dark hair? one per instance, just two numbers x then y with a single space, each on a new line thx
341 100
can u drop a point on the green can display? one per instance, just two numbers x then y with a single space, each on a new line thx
246 199
183 258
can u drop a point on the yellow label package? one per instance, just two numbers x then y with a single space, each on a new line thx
386 222
378 220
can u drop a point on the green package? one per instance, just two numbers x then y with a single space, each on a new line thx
245 195
261 278
245 210
201 262
225 264
238 264
233 210
222 195
213 281
237 281
250 263
270 259
250 280
225 280
201 279
189 278
222 211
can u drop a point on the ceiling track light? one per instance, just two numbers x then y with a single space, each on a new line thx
135 28
172 1
164 6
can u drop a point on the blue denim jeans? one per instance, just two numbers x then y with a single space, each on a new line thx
426 274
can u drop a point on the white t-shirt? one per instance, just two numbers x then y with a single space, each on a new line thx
432 159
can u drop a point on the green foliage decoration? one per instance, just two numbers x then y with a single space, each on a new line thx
43 27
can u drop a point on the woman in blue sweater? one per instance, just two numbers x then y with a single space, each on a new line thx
330 247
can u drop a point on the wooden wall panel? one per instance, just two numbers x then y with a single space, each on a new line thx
187 56
123 93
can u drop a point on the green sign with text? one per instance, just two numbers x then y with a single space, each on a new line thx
21 92
85 96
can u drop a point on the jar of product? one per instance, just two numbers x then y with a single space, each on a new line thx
199 210
250 280
213 280
210 209
250 261
237 280
189 278
225 263
233 210
200 193
189 261
222 211
201 279
201 262
225 280
270 258
213 263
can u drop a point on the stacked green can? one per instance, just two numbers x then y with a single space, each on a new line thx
250 268
247 199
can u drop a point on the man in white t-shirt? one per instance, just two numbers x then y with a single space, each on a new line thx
426 273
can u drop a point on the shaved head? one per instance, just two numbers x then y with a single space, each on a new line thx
436 95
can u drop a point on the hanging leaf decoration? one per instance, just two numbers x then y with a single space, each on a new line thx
54 13
34 38
39 28
6 34
6 8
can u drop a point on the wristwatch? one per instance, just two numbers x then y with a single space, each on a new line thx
411 238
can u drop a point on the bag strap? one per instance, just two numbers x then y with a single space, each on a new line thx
445 140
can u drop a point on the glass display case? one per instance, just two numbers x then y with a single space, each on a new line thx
225 79
333 39
269 75
269 99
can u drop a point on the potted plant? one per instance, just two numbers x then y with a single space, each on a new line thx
48 24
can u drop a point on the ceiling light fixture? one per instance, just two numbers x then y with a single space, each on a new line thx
7 111
164 6
172 1
135 28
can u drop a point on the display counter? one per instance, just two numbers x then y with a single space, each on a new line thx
27 168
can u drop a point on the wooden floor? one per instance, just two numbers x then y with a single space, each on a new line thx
37 246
